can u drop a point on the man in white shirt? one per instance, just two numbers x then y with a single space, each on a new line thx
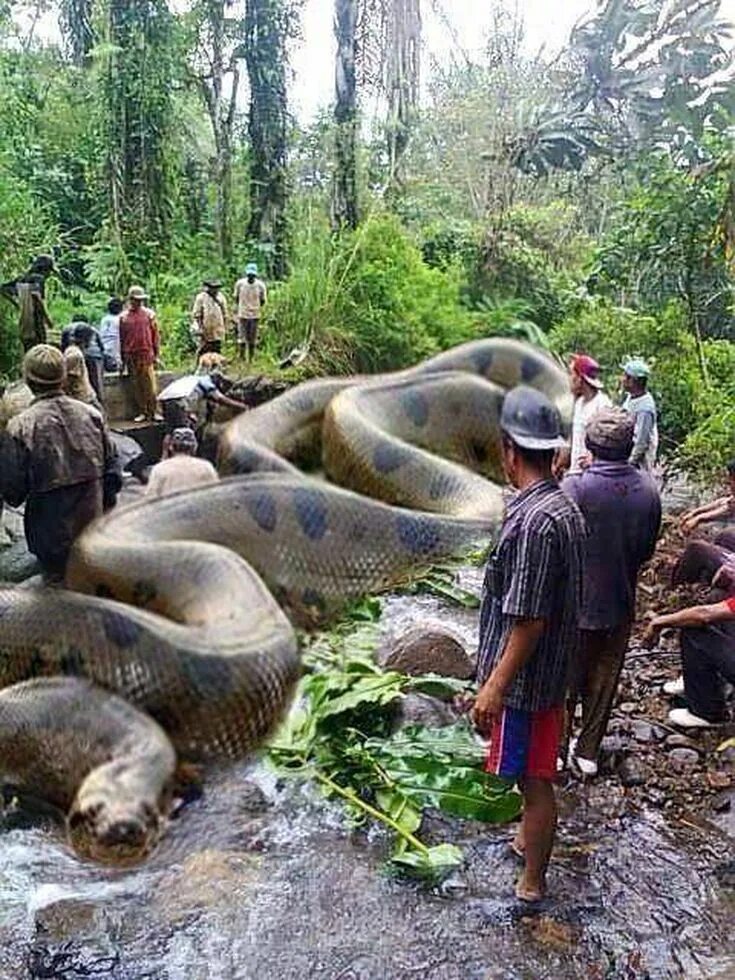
250 296
182 470
589 399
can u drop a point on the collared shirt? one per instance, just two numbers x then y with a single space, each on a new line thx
645 438
210 312
622 508
250 296
139 335
534 573
584 411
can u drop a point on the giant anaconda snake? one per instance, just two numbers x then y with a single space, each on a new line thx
179 606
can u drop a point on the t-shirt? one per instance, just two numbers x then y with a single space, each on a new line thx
180 472
110 336
211 312
249 296
584 411
194 386
622 508
645 439
535 573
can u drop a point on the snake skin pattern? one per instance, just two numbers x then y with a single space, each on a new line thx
183 606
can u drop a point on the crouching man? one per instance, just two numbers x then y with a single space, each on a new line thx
529 627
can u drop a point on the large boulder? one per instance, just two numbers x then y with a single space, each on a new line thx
421 709
427 649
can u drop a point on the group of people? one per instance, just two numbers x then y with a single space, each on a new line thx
559 594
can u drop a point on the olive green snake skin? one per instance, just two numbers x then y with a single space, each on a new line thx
183 606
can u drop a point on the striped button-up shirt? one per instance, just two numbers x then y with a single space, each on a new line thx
535 573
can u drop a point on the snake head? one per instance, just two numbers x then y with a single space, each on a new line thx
113 831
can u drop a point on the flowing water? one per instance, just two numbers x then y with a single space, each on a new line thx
263 880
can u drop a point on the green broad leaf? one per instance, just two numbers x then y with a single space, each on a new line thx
727 744
437 686
374 689
400 809
445 587
431 865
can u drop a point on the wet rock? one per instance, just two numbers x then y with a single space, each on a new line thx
17 563
252 798
722 803
727 755
66 918
677 741
428 649
420 709
683 759
206 879
612 744
627 707
643 732
633 772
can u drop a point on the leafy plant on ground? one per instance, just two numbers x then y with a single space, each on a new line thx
339 735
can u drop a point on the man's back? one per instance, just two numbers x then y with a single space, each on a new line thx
622 508
180 472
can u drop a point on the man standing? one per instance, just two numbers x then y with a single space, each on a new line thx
622 509
640 404
529 626
250 296
589 399
139 346
57 457
210 315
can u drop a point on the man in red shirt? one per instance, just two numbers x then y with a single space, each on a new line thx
707 656
139 345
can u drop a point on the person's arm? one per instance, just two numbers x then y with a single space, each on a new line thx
263 294
217 396
709 512
718 612
521 645
112 476
644 422
197 310
155 336
13 470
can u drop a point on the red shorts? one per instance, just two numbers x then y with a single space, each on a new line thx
525 743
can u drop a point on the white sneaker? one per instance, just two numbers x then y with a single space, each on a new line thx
139 418
588 767
674 687
685 719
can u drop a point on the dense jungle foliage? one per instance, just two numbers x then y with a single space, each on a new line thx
584 202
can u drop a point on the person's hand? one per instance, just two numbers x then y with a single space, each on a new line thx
724 578
585 461
488 706
688 523
158 364
650 635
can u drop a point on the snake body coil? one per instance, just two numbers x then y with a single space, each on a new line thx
177 607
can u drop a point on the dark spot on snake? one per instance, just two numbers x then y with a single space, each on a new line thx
144 593
483 360
315 600
418 535
530 367
120 630
264 510
304 403
71 662
311 511
208 677
416 406
388 457
479 451
244 461
103 592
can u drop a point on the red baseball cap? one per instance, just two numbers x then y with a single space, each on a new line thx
587 368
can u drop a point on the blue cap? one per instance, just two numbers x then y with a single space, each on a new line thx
251 269
636 367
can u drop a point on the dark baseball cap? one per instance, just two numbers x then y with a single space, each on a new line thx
531 420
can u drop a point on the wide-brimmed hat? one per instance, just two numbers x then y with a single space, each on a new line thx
610 432
137 292
531 420
251 269
43 366
212 283
636 367
587 368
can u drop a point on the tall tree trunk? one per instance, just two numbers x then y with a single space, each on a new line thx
344 197
265 55
75 19
138 104
402 81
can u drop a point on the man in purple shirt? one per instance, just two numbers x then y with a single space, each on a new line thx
622 508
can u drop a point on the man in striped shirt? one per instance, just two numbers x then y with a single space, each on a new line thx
529 627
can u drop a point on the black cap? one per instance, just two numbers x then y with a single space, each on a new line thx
531 420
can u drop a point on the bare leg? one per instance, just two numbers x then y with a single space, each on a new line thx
538 830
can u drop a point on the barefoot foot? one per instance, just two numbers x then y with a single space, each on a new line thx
526 892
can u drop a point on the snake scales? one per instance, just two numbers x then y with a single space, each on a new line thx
174 636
